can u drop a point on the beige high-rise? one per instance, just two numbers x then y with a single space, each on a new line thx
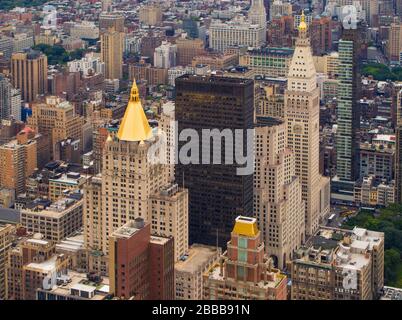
187 49
302 108
112 53
394 46
128 179
278 204
6 231
29 72
150 15
111 20
168 210
18 160
56 119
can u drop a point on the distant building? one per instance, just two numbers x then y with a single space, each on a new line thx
112 43
269 62
6 231
165 55
187 49
339 264
55 222
150 15
109 20
18 160
374 191
56 119
235 32
85 30
377 160
29 74
10 100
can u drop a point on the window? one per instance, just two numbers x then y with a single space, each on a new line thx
242 255
242 242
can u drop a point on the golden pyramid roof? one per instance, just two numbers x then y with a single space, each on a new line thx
245 226
134 126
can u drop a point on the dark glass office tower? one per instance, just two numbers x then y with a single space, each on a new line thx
217 194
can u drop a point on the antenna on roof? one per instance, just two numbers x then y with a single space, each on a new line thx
217 233
183 180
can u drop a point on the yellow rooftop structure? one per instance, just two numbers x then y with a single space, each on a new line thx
134 126
245 226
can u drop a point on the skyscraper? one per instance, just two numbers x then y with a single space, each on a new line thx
278 203
29 73
10 100
302 116
398 151
128 179
18 160
111 20
112 53
216 193
257 13
6 231
348 114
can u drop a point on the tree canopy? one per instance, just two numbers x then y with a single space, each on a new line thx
381 72
11 4
58 55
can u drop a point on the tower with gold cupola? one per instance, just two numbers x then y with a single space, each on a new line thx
128 181
302 109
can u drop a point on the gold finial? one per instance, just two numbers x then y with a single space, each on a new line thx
134 126
109 138
303 24
134 94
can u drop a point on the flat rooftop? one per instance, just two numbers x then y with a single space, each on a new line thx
198 256
79 281
215 274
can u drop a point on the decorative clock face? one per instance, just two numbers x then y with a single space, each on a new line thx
297 129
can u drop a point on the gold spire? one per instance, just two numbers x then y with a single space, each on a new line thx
134 126
109 138
303 24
